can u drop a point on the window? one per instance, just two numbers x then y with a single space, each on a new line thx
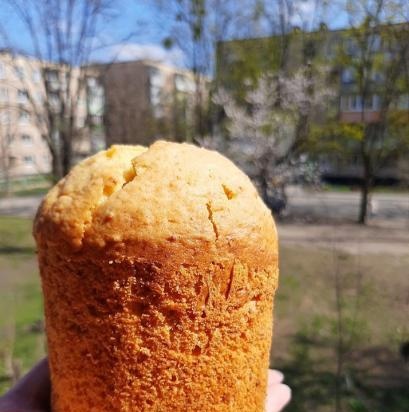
54 100
331 47
9 138
97 120
348 75
95 97
19 70
36 75
2 71
376 102
52 76
350 103
4 94
157 82
28 160
403 102
27 139
184 84
344 103
23 117
12 161
92 82
4 117
351 47
369 103
377 76
375 42
22 96
353 103
38 97
230 56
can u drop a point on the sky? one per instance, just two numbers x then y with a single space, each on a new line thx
132 17
148 28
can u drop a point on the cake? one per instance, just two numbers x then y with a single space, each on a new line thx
159 267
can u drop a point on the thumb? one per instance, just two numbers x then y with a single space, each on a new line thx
32 392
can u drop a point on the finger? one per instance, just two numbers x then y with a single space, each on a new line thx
277 397
33 390
274 377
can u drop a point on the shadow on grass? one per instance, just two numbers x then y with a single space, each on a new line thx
16 250
373 379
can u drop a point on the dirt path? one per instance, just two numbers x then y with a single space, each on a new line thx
387 233
379 238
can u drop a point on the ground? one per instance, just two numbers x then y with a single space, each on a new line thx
329 206
306 206
342 305
374 308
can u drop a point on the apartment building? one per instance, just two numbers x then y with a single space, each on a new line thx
248 58
23 151
146 100
29 94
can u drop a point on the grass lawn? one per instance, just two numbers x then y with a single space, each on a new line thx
35 185
35 191
20 298
371 322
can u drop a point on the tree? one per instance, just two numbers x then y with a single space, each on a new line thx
286 49
289 20
276 87
375 54
267 127
7 135
63 33
196 28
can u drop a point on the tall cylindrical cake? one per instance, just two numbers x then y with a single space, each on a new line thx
159 268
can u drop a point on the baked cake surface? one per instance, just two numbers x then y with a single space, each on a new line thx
159 268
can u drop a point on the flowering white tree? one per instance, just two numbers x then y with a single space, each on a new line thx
268 131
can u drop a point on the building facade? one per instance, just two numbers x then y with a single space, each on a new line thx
29 95
133 102
23 150
147 100
341 53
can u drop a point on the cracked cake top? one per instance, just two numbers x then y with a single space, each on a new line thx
169 192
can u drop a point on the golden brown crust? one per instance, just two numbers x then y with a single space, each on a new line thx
158 280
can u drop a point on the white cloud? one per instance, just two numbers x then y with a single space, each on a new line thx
304 11
134 51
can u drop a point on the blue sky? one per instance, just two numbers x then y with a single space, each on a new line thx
141 18
132 17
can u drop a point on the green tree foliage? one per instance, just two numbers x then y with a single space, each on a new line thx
196 28
376 55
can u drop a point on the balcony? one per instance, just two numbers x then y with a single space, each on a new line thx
358 117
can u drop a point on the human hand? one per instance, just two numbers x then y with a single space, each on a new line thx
278 394
32 393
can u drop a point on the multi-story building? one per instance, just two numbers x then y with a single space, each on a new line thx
23 150
146 100
239 60
126 102
29 93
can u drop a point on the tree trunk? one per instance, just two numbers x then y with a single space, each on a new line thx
340 346
56 167
263 176
66 153
366 186
199 129
263 186
7 185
